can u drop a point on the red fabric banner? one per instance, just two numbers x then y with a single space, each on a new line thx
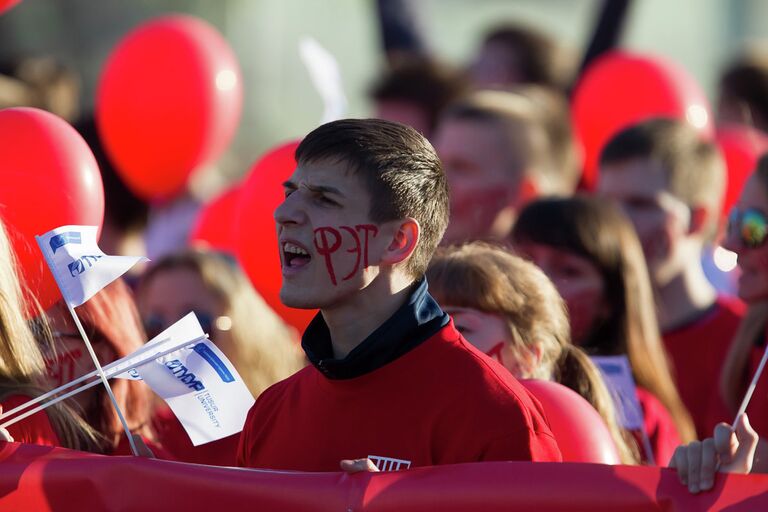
42 478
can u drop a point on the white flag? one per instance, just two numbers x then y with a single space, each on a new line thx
617 374
199 384
184 332
325 76
80 268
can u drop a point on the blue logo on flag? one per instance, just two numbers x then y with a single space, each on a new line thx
212 359
78 266
71 237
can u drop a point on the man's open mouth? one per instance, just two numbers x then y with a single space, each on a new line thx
295 256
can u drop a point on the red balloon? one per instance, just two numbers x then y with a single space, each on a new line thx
215 224
742 146
620 89
578 428
50 179
261 193
169 101
7 4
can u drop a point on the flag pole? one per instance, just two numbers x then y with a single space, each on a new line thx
103 378
95 360
751 389
109 370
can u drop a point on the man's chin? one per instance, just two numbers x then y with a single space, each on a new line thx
296 300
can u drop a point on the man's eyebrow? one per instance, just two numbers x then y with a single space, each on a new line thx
323 189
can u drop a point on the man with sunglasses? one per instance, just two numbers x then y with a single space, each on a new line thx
392 383
670 183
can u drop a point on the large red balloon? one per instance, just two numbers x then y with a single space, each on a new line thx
7 4
620 89
256 235
215 224
578 428
742 146
169 100
50 179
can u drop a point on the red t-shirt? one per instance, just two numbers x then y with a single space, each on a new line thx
175 439
35 429
443 402
697 352
659 427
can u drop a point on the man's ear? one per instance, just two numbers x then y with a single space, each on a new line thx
404 241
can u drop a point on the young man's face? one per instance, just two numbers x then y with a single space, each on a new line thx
483 190
639 187
329 247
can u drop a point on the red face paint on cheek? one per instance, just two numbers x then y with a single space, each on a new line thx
61 368
328 240
327 249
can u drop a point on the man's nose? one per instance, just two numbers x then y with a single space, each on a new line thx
289 211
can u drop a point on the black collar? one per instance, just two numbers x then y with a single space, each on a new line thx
416 321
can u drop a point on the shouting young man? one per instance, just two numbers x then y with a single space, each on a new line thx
392 383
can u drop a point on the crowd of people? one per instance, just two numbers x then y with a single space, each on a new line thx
485 262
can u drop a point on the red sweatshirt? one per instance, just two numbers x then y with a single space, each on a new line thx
697 353
442 402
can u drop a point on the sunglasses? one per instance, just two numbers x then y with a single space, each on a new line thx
155 324
751 225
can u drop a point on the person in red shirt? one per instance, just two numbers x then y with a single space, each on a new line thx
739 447
589 250
509 309
670 183
22 371
392 384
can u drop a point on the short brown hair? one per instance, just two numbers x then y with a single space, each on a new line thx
426 83
526 134
537 54
400 170
745 83
694 168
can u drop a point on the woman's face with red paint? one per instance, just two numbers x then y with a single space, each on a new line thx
329 248
577 280
490 334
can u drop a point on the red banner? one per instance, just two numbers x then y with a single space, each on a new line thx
42 478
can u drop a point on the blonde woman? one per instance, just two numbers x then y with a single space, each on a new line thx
22 371
510 310
254 338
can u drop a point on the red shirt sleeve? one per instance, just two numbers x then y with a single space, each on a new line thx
35 429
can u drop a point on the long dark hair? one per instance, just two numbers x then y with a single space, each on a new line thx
598 231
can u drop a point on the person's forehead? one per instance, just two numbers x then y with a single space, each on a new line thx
325 172
637 177
476 139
